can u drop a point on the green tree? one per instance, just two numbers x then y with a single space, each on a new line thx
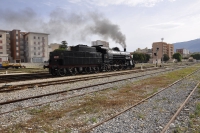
147 57
63 45
141 57
177 56
196 56
165 57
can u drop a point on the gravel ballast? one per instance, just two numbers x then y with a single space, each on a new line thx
152 115
22 115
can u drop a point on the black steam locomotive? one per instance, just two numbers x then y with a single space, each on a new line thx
85 59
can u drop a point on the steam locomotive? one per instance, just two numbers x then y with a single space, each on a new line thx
86 59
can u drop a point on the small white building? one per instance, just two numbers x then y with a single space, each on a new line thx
99 42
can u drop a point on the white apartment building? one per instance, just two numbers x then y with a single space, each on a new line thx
4 45
36 47
99 42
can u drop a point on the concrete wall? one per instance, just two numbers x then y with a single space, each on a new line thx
34 65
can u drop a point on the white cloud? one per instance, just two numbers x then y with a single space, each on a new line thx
148 3
164 26
48 3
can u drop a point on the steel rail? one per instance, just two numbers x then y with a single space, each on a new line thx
53 101
79 88
18 109
179 110
75 79
143 100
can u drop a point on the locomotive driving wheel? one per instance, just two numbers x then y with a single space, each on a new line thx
62 72
73 71
53 72
108 68
87 70
96 69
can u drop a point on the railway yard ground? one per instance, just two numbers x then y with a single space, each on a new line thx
143 101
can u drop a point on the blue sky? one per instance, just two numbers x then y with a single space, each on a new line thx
138 22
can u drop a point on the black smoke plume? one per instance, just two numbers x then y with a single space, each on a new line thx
62 25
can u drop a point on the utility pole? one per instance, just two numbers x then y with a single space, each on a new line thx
162 51
156 54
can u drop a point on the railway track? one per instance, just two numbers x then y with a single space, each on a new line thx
66 92
23 77
97 127
6 78
55 81
31 76
179 110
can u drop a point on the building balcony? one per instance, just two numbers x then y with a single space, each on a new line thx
7 35
22 57
8 46
21 47
7 41
8 52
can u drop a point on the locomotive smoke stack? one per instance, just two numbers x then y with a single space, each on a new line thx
124 49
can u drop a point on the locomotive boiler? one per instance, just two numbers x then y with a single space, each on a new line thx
86 59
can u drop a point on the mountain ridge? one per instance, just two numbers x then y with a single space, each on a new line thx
192 45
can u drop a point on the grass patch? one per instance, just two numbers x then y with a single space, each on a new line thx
141 116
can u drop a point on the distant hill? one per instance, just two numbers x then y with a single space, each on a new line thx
192 46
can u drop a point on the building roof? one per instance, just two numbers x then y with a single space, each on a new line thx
4 30
36 33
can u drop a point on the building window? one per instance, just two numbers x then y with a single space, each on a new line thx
39 53
38 48
38 37
1 47
34 48
1 52
16 37
0 36
34 42
34 53
17 54
0 60
34 37
16 43
1 41
17 48
38 42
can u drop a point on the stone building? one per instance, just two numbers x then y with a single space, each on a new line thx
161 48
